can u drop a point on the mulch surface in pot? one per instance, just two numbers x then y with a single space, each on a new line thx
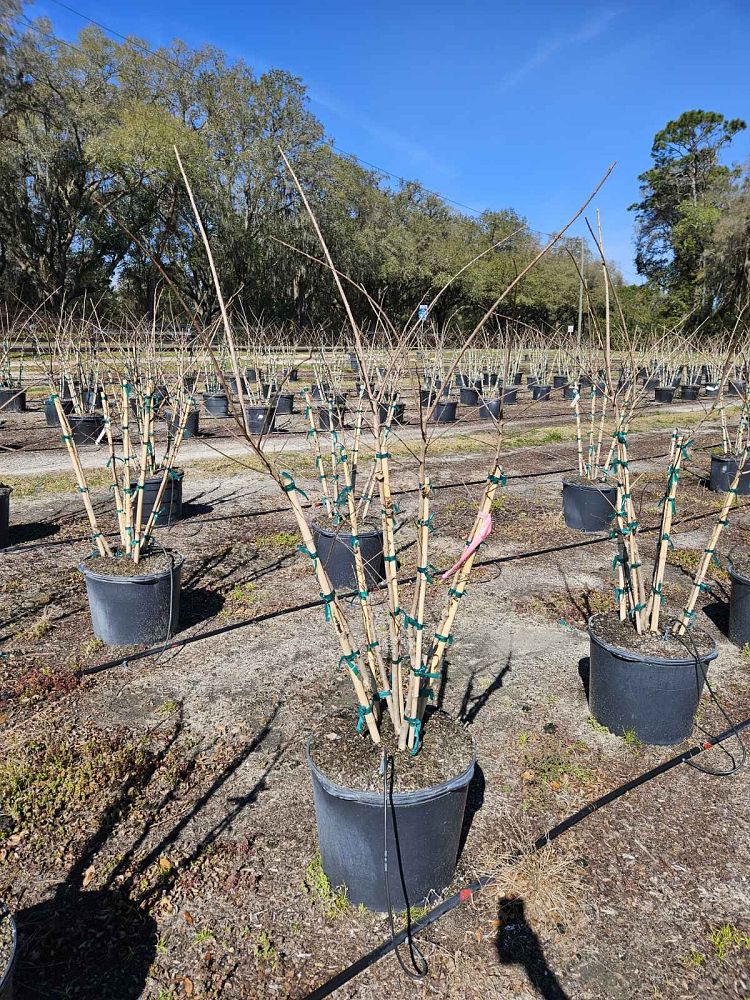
150 562
623 635
740 563
351 759
599 484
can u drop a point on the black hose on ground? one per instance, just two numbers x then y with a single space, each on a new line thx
465 894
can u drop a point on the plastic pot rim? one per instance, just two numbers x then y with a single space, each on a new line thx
178 558
735 573
600 487
332 533
660 661
415 798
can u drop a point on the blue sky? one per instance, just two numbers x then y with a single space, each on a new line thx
493 105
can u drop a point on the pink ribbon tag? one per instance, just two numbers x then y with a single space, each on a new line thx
483 530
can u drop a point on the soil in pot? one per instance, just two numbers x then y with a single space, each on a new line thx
334 544
588 506
646 684
425 810
5 492
134 604
7 952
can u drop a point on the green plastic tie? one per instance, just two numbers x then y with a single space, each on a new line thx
408 620
416 725
289 486
305 551
447 639
390 558
364 710
383 454
458 594
666 537
424 672
328 598
350 661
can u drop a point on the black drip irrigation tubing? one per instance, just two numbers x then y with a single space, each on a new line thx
27 546
319 603
467 893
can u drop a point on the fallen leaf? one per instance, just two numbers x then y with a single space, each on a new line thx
188 918
528 776
88 876
187 986
165 864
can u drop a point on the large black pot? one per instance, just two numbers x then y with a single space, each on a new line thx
320 391
588 508
489 409
216 404
336 552
518 378
333 416
13 400
739 608
191 424
135 610
664 394
541 391
5 492
91 399
723 471
445 413
86 428
284 403
489 379
559 381
426 398
170 508
260 419
509 394
469 397
6 974
655 698
397 416
690 392
50 411
423 837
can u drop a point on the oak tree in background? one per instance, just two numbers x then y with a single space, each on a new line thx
687 196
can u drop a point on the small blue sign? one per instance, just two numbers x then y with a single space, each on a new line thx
423 310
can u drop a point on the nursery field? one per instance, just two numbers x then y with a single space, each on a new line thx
157 823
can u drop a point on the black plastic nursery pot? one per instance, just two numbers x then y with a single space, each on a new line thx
654 697
690 392
531 381
569 392
427 397
509 395
260 419
588 507
13 400
518 378
445 413
423 836
336 552
397 415
664 394
50 411
736 387
216 404
251 375
86 428
489 379
284 403
133 610
541 391
723 471
489 409
739 608
320 391
461 380
6 971
559 381
469 397
91 399
712 391
334 415
5 492
170 508
192 424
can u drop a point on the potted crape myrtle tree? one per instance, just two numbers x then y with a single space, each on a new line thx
393 750
132 583
12 391
727 459
647 669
